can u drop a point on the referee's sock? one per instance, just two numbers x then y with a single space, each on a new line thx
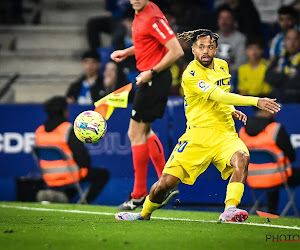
235 191
156 152
149 207
140 155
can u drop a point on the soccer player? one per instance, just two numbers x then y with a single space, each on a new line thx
155 48
210 135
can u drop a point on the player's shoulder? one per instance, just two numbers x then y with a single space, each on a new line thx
154 11
220 63
193 71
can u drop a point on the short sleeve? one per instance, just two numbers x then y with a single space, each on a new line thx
161 30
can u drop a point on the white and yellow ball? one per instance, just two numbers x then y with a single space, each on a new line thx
90 126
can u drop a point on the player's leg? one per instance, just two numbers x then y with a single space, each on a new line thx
154 200
157 156
235 188
232 158
156 152
138 134
149 104
185 164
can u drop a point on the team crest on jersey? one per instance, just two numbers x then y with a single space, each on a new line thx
203 86
192 72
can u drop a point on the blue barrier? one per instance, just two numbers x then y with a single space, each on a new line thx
18 123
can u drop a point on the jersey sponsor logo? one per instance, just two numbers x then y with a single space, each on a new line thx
221 82
155 26
192 72
203 86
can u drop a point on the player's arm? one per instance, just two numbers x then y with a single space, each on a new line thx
219 95
120 55
174 52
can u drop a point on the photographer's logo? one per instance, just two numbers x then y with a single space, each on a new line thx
282 237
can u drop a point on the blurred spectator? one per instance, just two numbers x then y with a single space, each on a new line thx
246 15
86 90
115 8
175 88
190 14
267 9
287 18
178 67
262 131
231 46
20 11
284 72
252 74
57 131
113 79
118 27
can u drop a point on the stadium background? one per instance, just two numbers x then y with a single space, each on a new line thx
46 64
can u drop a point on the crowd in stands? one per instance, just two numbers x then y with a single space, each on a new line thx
262 51
258 38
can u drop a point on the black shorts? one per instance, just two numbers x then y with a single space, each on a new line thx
151 98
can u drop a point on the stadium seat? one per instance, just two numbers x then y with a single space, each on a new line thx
262 156
53 153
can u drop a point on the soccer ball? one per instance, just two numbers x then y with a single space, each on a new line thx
90 126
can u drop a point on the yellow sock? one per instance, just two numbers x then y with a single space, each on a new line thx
234 193
149 207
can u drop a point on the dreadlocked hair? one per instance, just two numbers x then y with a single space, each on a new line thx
194 35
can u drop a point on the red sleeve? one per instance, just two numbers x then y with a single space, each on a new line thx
161 30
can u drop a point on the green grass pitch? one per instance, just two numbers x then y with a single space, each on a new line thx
70 226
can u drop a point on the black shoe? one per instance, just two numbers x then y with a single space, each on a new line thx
170 195
131 203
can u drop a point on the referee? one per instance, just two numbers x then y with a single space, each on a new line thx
155 48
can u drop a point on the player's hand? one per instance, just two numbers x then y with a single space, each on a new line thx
239 115
268 105
118 55
143 77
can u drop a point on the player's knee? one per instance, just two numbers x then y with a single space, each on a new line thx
244 160
130 134
167 182
161 187
133 135
241 161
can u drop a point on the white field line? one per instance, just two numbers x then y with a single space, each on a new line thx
157 218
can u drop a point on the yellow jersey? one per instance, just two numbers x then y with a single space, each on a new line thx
198 82
252 81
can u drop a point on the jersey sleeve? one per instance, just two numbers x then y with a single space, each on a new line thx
218 95
161 30
198 86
